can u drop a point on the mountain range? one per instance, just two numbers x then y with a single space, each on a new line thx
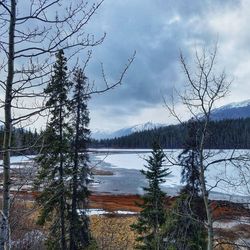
230 111
98 135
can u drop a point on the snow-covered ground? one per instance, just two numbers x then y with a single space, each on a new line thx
102 211
19 162
224 178
229 224
20 158
117 150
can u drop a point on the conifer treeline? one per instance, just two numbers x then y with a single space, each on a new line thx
23 139
225 134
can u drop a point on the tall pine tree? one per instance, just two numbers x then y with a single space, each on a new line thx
79 231
152 216
54 159
184 228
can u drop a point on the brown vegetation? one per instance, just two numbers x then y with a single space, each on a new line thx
113 231
115 202
97 171
228 210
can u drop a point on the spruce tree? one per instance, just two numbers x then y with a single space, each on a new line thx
152 215
189 160
79 231
54 159
184 228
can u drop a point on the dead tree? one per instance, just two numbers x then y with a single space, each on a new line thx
204 88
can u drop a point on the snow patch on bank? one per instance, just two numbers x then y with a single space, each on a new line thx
93 211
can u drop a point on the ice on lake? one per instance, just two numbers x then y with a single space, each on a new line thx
225 181
20 161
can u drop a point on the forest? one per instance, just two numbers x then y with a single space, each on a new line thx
225 134
21 138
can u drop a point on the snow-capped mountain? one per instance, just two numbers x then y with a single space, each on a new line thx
232 111
125 131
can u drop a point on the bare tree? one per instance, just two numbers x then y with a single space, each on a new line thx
204 88
31 31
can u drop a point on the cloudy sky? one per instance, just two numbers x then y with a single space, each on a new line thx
158 30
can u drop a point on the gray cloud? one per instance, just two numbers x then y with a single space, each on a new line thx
157 30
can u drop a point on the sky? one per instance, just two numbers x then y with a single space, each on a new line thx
158 30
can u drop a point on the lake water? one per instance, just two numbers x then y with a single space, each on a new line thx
227 181
230 181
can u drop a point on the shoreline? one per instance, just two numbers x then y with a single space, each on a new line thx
127 202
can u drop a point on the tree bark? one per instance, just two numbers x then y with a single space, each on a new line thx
75 171
210 235
5 238
209 225
61 174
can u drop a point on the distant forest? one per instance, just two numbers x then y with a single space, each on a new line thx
25 140
225 134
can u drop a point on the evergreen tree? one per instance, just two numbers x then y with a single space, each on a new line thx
152 216
184 230
185 222
79 231
189 160
54 159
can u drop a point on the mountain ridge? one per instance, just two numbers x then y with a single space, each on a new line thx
98 135
234 110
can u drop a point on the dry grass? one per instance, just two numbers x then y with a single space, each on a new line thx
115 202
113 233
25 233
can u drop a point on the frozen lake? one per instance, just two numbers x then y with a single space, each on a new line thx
19 162
230 181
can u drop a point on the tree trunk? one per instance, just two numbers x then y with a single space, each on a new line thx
5 227
156 229
75 171
210 233
61 174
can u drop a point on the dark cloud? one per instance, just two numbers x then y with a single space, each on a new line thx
157 30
